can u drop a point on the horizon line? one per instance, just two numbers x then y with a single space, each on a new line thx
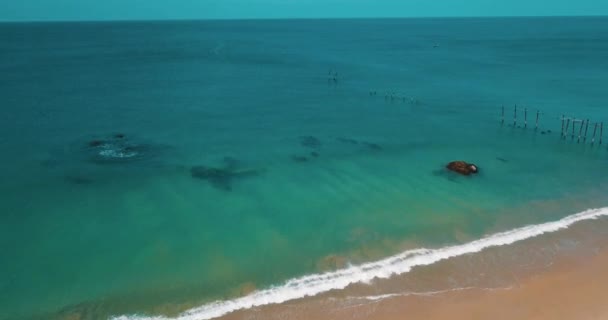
298 18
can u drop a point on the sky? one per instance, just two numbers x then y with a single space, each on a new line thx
27 10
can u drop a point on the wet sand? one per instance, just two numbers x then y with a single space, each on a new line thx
569 290
557 276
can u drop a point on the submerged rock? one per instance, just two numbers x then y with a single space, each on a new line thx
314 154
347 140
462 167
230 162
373 146
300 159
78 180
203 172
310 142
117 148
369 145
96 143
221 178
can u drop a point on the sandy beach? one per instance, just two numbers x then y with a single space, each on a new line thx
517 282
570 290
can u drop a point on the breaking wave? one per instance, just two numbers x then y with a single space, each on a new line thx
314 284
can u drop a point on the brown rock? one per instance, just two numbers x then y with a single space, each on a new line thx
462 167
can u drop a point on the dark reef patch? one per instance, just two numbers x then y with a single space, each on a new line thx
368 145
299 159
230 162
347 140
310 142
95 143
221 178
118 148
78 180
373 146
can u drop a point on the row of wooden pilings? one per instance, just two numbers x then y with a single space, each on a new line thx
584 123
502 117
566 125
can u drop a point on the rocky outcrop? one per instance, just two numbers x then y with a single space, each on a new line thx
117 149
462 167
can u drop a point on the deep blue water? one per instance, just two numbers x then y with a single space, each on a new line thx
103 124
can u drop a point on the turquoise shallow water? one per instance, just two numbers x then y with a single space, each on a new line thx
78 232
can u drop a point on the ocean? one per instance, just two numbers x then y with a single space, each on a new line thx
186 169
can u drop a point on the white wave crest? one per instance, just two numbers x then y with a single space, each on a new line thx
398 264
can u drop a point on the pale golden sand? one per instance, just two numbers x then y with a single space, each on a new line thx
529 280
570 290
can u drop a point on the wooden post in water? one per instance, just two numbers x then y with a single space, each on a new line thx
566 130
562 134
601 131
573 126
525 118
515 117
586 127
536 126
594 131
580 131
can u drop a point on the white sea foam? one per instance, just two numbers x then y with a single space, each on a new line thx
112 153
398 264
425 293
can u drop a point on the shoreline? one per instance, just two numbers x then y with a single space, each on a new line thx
566 284
568 290
435 283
